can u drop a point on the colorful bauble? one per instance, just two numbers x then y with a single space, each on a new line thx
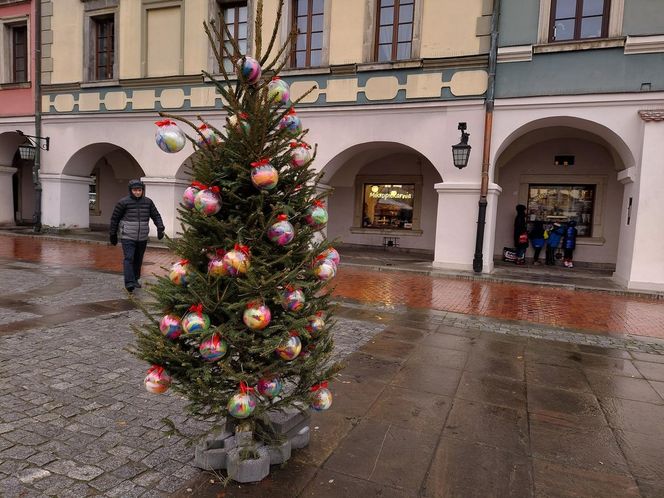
281 232
157 380
263 175
169 137
290 349
321 399
251 70
241 120
208 201
300 154
195 322
257 316
292 299
180 272
241 405
316 217
170 326
315 325
325 270
209 136
332 254
236 262
291 123
189 196
216 268
278 91
270 387
213 348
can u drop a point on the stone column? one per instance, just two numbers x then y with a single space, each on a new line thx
166 193
6 195
65 201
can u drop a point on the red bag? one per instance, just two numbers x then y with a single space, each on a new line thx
523 238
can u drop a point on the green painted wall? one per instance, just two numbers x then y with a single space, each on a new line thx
571 73
644 17
518 22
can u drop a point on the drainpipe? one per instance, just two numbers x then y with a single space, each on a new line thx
36 217
488 122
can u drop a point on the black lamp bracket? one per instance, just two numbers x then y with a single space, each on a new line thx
36 141
464 135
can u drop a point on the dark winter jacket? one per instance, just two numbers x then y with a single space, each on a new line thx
520 226
555 234
536 234
132 215
569 242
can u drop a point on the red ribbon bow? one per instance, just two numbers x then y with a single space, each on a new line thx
293 333
318 386
198 185
275 78
242 249
300 144
164 122
220 253
183 262
198 308
318 203
214 189
243 115
244 388
291 111
204 126
156 369
282 217
260 162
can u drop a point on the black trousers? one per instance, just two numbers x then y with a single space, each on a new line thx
133 250
551 255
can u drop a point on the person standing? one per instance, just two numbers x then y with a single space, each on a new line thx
552 242
132 216
520 234
536 237
569 244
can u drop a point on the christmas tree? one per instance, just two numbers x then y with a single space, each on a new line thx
241 324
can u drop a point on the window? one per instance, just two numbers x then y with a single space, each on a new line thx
307 49
388 206
236 20
578 19
104 47
550 203
19 53
394 30
93 193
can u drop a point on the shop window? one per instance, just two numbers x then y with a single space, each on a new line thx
93 193
307 17
578 20
562 203
388 206
394 30
236 17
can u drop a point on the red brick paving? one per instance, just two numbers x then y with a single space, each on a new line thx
591 311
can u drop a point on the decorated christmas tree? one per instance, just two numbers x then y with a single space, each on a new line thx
241 324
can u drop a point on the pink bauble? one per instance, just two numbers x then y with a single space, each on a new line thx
236 263
316 217
180 273
157 380
300 156
264 177
290 349
281 232
321 399
213 348
257 316
269 387
292 124
207 202
170 326
216 268
292 300
189 196
251 70
169 137
241 405
209 138
278 91
194 322
325 270
315 324
332 254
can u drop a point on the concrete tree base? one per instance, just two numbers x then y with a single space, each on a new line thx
250 470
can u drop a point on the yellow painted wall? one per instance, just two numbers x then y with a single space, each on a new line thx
270 8
130 39
449 28
195 40
346 31
164 41
67 48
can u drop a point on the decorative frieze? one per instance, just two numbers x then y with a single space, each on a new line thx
653 115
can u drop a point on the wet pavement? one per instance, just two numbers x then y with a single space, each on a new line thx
453 387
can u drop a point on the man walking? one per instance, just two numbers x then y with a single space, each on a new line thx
132 216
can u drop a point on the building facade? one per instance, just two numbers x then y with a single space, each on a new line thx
577 126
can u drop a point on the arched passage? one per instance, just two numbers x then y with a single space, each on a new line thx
17 193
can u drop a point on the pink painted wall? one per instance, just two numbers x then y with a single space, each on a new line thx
20 101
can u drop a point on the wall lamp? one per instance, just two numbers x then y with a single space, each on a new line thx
27 149
461 151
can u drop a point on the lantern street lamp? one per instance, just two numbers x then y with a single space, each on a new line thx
27 149
461 151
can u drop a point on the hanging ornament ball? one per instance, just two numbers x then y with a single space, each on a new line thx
256 316
234 121
157 380
332 254
189 196
281 232
321 399
195 322
214 348
208 201
325 270
180 272
169 137
269 387
251 70
170 326
216 268
291 123
209 136
300 155
315 325
263 175
316 217
236 262
292 300
241 405
278 91
289 350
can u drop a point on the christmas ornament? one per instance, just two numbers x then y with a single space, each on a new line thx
241 120
315 325
269 387
216 268
300 154
242 404
209 136
289 350
236 261
256 316
291 123
332 254
180 272
316 216
195 321
263 175
278 91
157 380
251 70
169 137
325 270
292 299
189 196
213 348
208 201
170 326
281 232
321 397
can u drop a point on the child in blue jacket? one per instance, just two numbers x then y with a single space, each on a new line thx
552 242
569 243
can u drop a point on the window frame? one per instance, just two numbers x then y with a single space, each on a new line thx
395 31
92 16
7 27
95 173
221 7
98 22
615 25
15 56
308 50
578 18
